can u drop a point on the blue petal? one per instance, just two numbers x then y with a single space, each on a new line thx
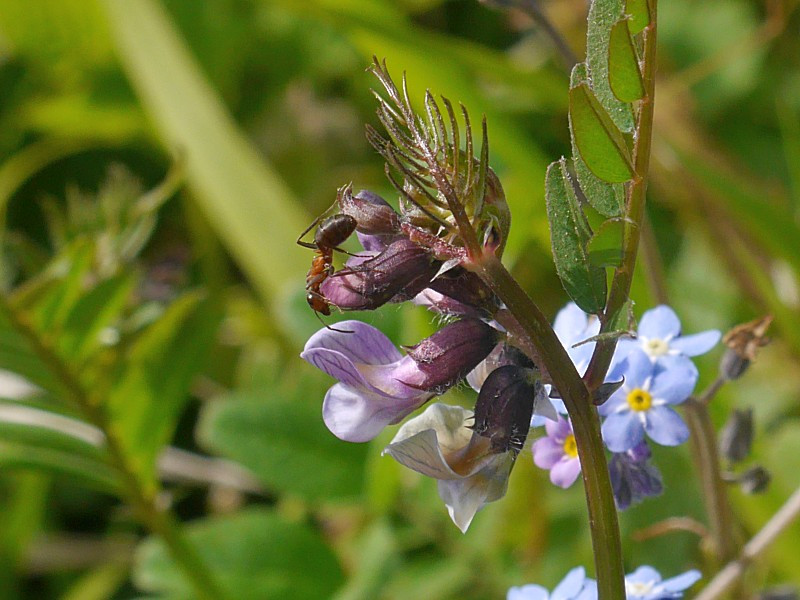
665 426
694 345
570 585
570 324
644 574
527 592
639 368
681 582
675 379
660 322
622 431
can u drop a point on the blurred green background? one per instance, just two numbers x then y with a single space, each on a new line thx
157 162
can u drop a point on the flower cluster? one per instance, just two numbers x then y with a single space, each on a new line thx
655 373
644 583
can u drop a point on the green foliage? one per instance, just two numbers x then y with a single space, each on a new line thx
255 553
150 305
584 282
277 433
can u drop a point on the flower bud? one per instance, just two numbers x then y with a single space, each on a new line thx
743 342
372 213
633 477
736 437
466 288
400 272
755 480
449 354
505 405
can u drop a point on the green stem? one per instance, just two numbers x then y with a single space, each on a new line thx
143 501
703 441
525 321
636 191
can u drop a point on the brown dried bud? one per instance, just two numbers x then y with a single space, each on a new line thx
743 342
754 480
505 405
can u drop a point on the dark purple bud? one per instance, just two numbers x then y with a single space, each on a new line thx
372 213
633 477
400 272
736 437
755 480
448 355
505 405
466 288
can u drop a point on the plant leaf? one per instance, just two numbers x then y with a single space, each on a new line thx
282 440
623 65
569 234
146 401
601 145
254 554
602 16
245 201
638 12
605 247
606 198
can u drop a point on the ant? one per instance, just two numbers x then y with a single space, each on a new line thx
330 233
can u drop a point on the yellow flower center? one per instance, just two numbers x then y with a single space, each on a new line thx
570 447
656 347
639 400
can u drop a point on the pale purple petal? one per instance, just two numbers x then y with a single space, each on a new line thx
547 452
570 324
570 585
660 322
625 346
527 592
694 345
565 472
421 453
357 415
681 582
675 379
558 430
622 431
336 365
365 344
589 591
665 426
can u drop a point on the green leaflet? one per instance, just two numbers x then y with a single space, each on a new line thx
253 554
281 439
638 12
605 247
623 65
602 16
606 198
570 233
600 143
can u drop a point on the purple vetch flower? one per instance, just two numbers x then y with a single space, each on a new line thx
558 452
633 477
575 586
659 336
643 403
397 273
440 443
645 584
378 386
